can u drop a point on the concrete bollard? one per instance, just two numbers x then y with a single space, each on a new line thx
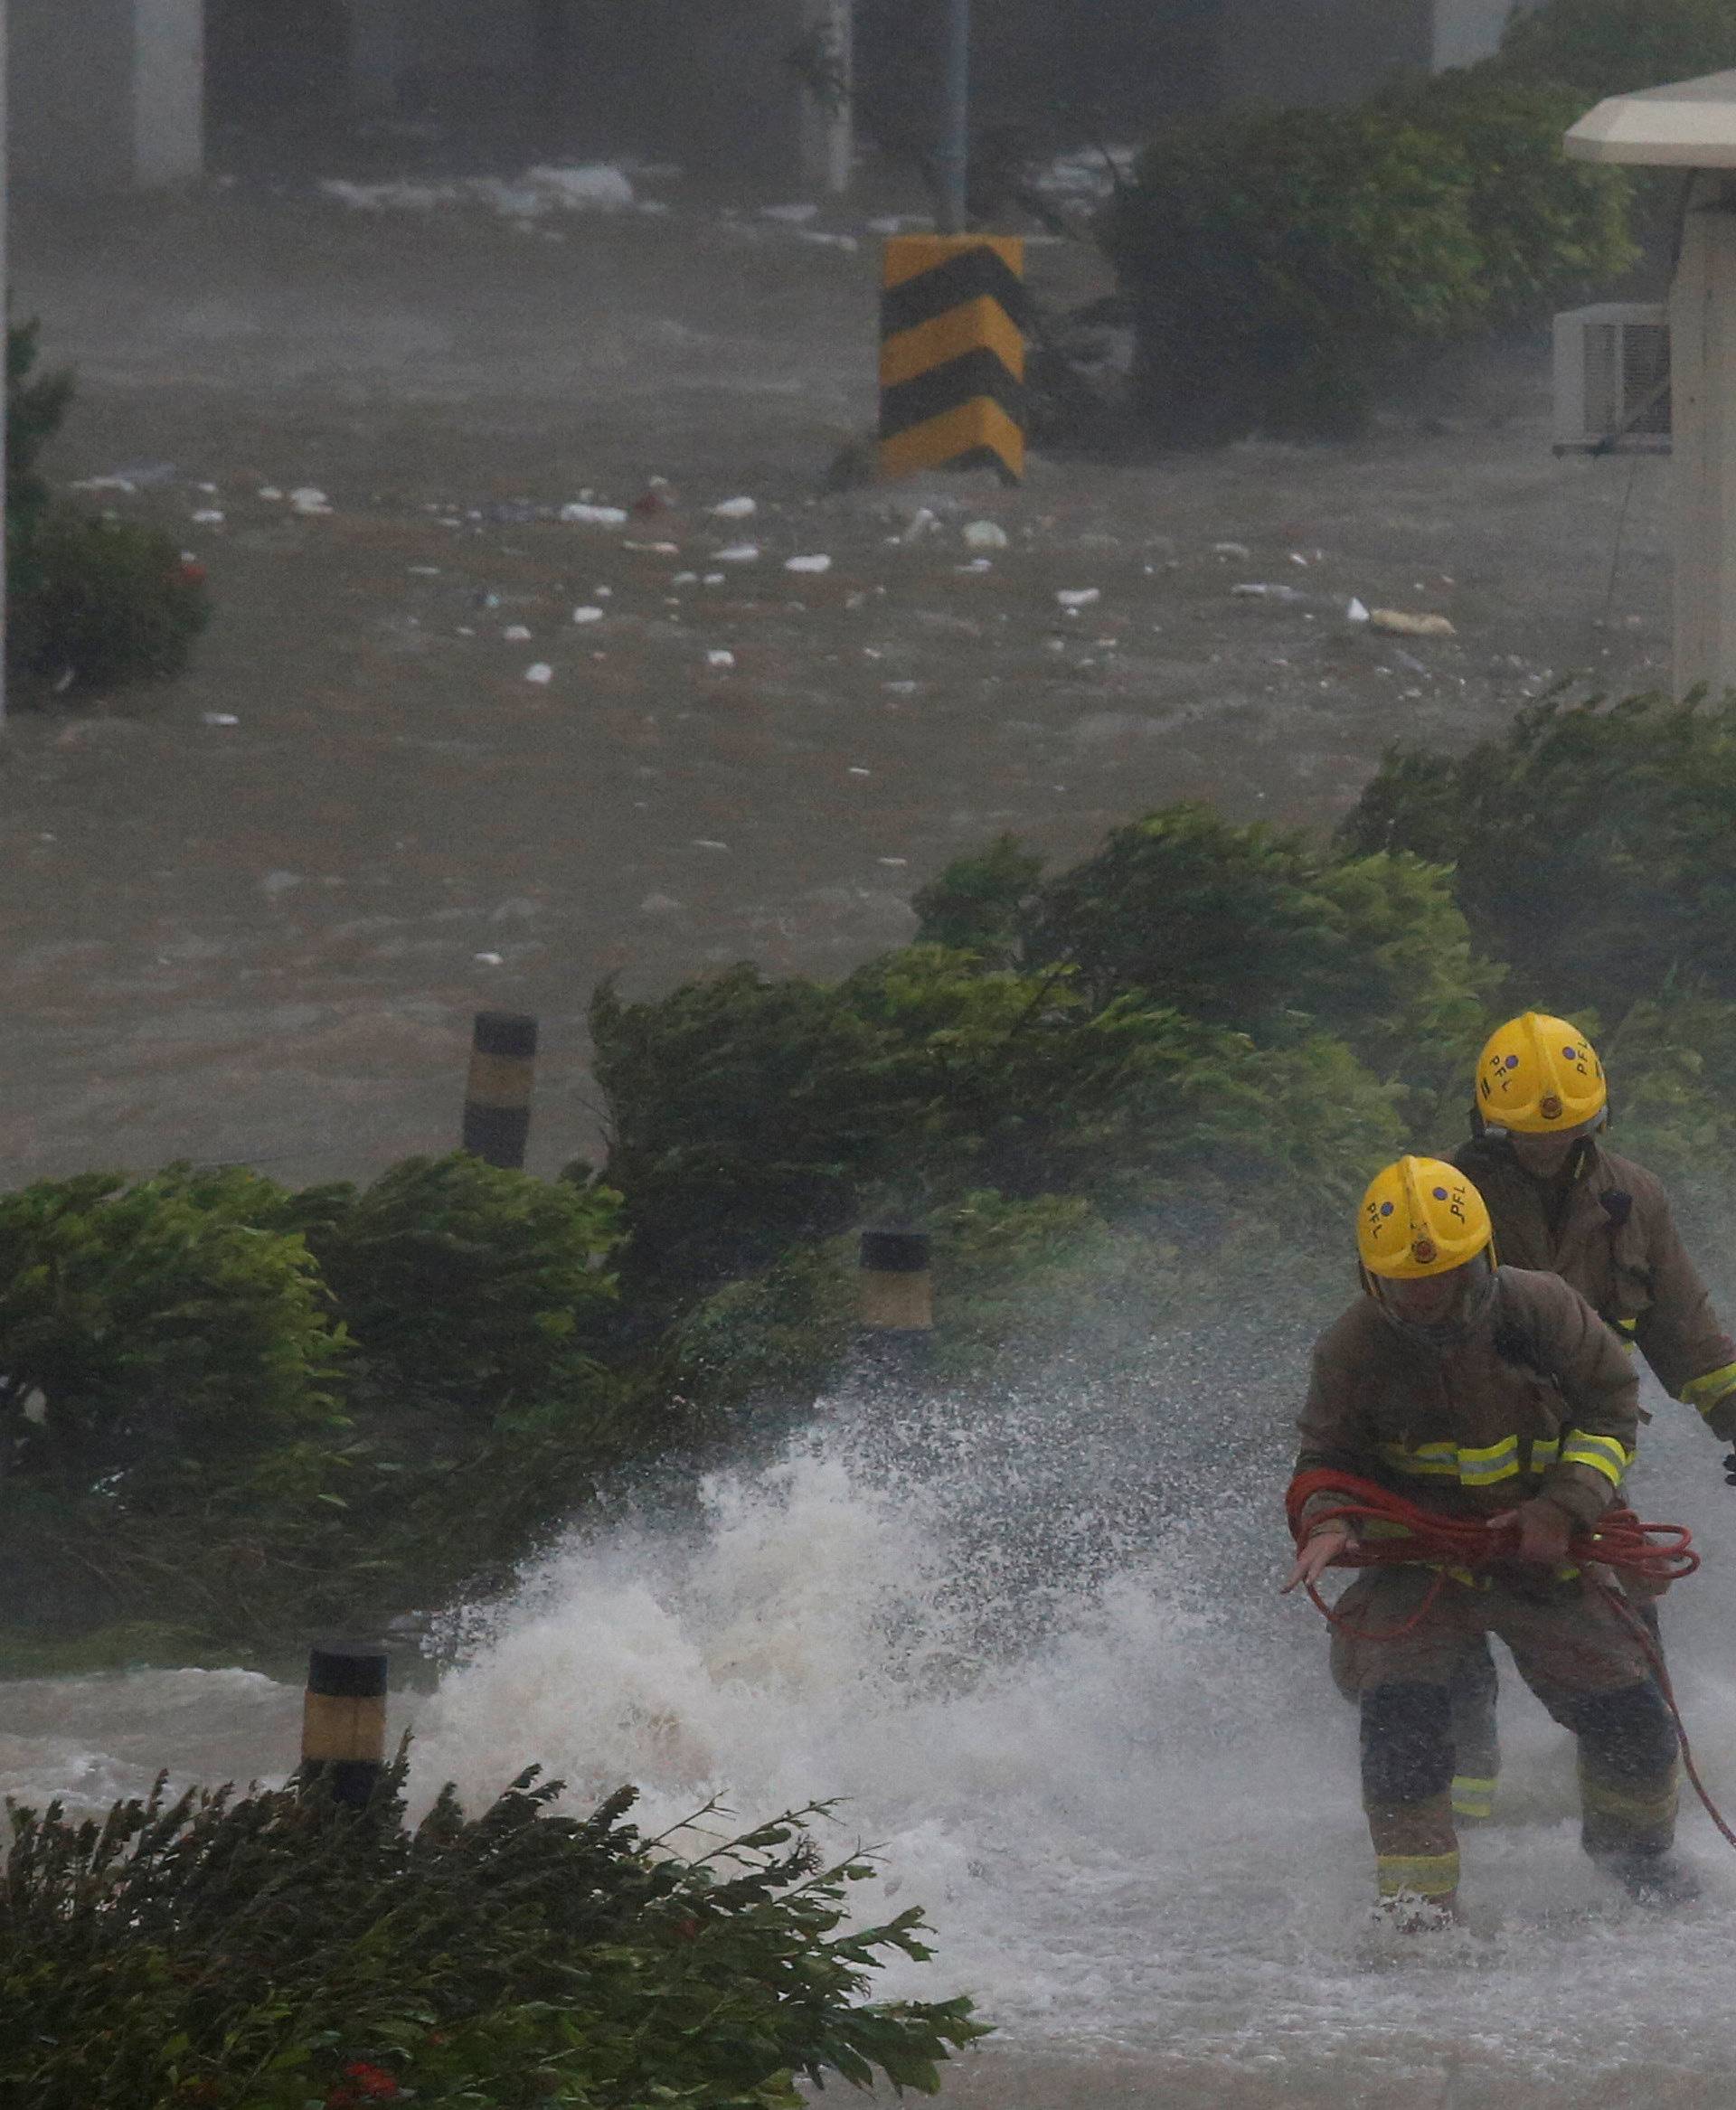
498 1100
344 1717
895 1301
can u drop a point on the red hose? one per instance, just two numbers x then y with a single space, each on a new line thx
1655 1555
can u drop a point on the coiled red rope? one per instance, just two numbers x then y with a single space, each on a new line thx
1652 1555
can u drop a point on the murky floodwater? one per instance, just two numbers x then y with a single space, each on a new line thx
1037 1648
249 917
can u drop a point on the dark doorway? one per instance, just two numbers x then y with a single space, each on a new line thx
277 81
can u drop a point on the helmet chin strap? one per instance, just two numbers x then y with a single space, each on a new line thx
1456 1327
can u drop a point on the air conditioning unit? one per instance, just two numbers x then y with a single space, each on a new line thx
1612 380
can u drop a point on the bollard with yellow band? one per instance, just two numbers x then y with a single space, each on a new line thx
895 1302
497 1102
344 1717
952 319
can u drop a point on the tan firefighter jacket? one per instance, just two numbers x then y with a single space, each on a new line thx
1538 1400
1615 1241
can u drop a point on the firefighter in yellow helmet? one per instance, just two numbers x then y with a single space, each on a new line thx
1562 1202
1417 1387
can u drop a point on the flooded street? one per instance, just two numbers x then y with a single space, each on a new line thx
1066 1709
445 748
263 939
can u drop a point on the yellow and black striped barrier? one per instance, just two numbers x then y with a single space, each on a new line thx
952 317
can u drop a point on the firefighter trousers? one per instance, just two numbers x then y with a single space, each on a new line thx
1576 1654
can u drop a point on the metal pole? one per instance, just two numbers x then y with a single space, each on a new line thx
6 319
955 145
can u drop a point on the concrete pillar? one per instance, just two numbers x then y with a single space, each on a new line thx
1466 31
827 142
1702 467
376 35
106 95
168 94
1690 125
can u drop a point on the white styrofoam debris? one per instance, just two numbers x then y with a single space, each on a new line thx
489 959
598 187
220 718
1356 612
1082 597
516 634
541 673
208 516
686 578
738 553
270 493
1231 549
818 564
720 659
922 521
986 534
587 614
306 499
578 515
736 509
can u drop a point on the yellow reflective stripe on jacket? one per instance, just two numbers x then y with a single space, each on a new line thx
1427 1458
1544 1452
1417 1875
1607 1455
1496 1462
1705 1392
1627 1330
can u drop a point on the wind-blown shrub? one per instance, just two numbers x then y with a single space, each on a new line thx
155 1327
1593 846
272 1952
1611 47
467 1282
1282 263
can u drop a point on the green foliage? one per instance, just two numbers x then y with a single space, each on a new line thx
37 407
1543 226
104 602
1611 47
464 1283
1595 845
91 602
1271 932
776 1337
273 1952
155 1326
977 903
1280 263
723 1144
1670 1061
1275 258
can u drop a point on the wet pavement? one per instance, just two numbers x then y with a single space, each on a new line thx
248 914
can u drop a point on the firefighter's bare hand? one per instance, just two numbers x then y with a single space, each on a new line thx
1317 1553
1543 1530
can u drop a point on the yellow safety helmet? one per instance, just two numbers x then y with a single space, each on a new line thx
1539 1076
1421 1217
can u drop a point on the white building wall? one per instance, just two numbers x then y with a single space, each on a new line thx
105 95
